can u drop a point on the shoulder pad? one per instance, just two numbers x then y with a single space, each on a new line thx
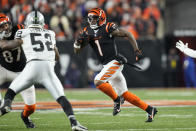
52 32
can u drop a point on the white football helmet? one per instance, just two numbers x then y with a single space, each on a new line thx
34 19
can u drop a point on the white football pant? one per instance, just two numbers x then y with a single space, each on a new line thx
112 73
28 95
41 72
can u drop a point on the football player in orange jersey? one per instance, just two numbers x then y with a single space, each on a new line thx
100 35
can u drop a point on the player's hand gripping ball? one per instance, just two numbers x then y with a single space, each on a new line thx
83 38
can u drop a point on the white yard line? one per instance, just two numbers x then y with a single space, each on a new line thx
157 129
98 108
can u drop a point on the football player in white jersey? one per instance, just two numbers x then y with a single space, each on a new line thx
39 46
12 62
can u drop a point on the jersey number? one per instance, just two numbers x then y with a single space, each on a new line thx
9 56
99 47
40 43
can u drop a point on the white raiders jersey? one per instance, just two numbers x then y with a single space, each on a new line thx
38 43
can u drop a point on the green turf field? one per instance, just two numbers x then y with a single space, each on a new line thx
180 118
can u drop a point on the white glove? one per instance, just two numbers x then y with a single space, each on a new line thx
181 46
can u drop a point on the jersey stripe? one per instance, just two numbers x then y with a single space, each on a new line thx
111 24
22 26
18 26
85 28
107 27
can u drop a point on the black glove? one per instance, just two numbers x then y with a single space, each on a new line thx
138 55
83 36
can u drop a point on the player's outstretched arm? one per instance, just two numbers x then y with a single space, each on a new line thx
184 48
124 33
10 44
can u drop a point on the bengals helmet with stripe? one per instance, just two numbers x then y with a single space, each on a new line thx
5 26
96 18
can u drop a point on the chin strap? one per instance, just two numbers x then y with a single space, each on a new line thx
94 26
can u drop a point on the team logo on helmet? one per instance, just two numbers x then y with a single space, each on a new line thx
96 18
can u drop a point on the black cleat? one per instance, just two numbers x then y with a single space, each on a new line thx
5 107
153 111
27 121
78 127
117 104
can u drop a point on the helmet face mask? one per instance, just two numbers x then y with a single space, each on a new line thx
96 18
34 20
93 20
5 26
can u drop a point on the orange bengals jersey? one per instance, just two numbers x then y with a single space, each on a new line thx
103 42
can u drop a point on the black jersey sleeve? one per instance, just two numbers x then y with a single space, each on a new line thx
110 27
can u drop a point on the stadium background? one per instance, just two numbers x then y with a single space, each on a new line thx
156 24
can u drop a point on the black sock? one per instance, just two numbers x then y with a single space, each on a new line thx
148 109
117 99
67 108
10 94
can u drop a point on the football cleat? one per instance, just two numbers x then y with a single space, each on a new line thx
151 114
5 107
117 104
78 127
27 121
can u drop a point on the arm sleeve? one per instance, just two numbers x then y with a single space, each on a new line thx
190 52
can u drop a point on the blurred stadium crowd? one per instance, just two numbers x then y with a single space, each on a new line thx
140 17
